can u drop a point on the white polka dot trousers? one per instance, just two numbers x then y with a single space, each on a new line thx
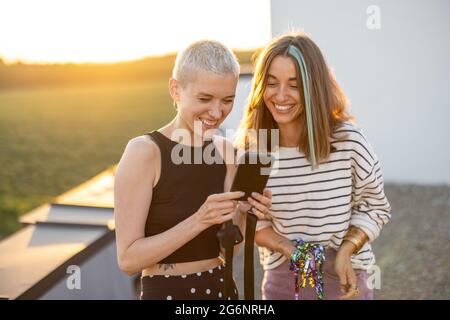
207 285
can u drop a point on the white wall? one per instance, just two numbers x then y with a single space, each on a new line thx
237 113
397 77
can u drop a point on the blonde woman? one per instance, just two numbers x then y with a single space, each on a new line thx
168 212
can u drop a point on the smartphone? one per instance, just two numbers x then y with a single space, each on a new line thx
252 173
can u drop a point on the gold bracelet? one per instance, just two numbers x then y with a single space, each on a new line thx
357 237
358 245
357 233
354 241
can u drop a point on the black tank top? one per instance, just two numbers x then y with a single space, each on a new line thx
180 192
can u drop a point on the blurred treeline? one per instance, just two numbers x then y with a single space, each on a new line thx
147 69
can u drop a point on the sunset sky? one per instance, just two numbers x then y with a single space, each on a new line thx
43 31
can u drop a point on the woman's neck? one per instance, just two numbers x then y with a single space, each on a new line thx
179 131
290 134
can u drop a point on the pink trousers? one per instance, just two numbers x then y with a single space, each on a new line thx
278 283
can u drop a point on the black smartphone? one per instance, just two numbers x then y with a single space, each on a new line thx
252 173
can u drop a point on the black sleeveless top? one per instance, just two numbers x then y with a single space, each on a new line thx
180 192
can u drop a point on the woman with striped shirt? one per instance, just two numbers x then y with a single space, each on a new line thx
340 202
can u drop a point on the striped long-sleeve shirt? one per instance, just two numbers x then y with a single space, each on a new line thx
319 205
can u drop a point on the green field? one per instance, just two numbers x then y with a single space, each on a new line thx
54 138
62 124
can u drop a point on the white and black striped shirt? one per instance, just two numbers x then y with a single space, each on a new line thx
319 205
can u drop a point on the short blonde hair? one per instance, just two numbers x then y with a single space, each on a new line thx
207 55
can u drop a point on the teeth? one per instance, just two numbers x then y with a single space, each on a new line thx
209 123
283 108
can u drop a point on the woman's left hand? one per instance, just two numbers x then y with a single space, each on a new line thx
344 269
258 204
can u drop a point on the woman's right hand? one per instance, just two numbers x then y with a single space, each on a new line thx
218 208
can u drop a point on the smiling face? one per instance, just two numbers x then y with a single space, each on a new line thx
282 95
208 99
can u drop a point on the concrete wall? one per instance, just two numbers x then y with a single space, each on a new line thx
237 113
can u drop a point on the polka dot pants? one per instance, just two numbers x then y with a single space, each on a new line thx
207 285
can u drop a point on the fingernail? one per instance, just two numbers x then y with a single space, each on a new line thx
242 193
253 194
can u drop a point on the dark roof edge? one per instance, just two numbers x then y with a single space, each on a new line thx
70 224
56 204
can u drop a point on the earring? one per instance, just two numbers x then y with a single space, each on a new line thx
175 105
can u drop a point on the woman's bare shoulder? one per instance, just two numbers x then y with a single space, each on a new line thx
225 148
142 145
141 150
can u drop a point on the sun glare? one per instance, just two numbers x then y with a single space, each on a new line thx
48 31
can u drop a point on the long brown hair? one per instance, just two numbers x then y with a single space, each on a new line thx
329 103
